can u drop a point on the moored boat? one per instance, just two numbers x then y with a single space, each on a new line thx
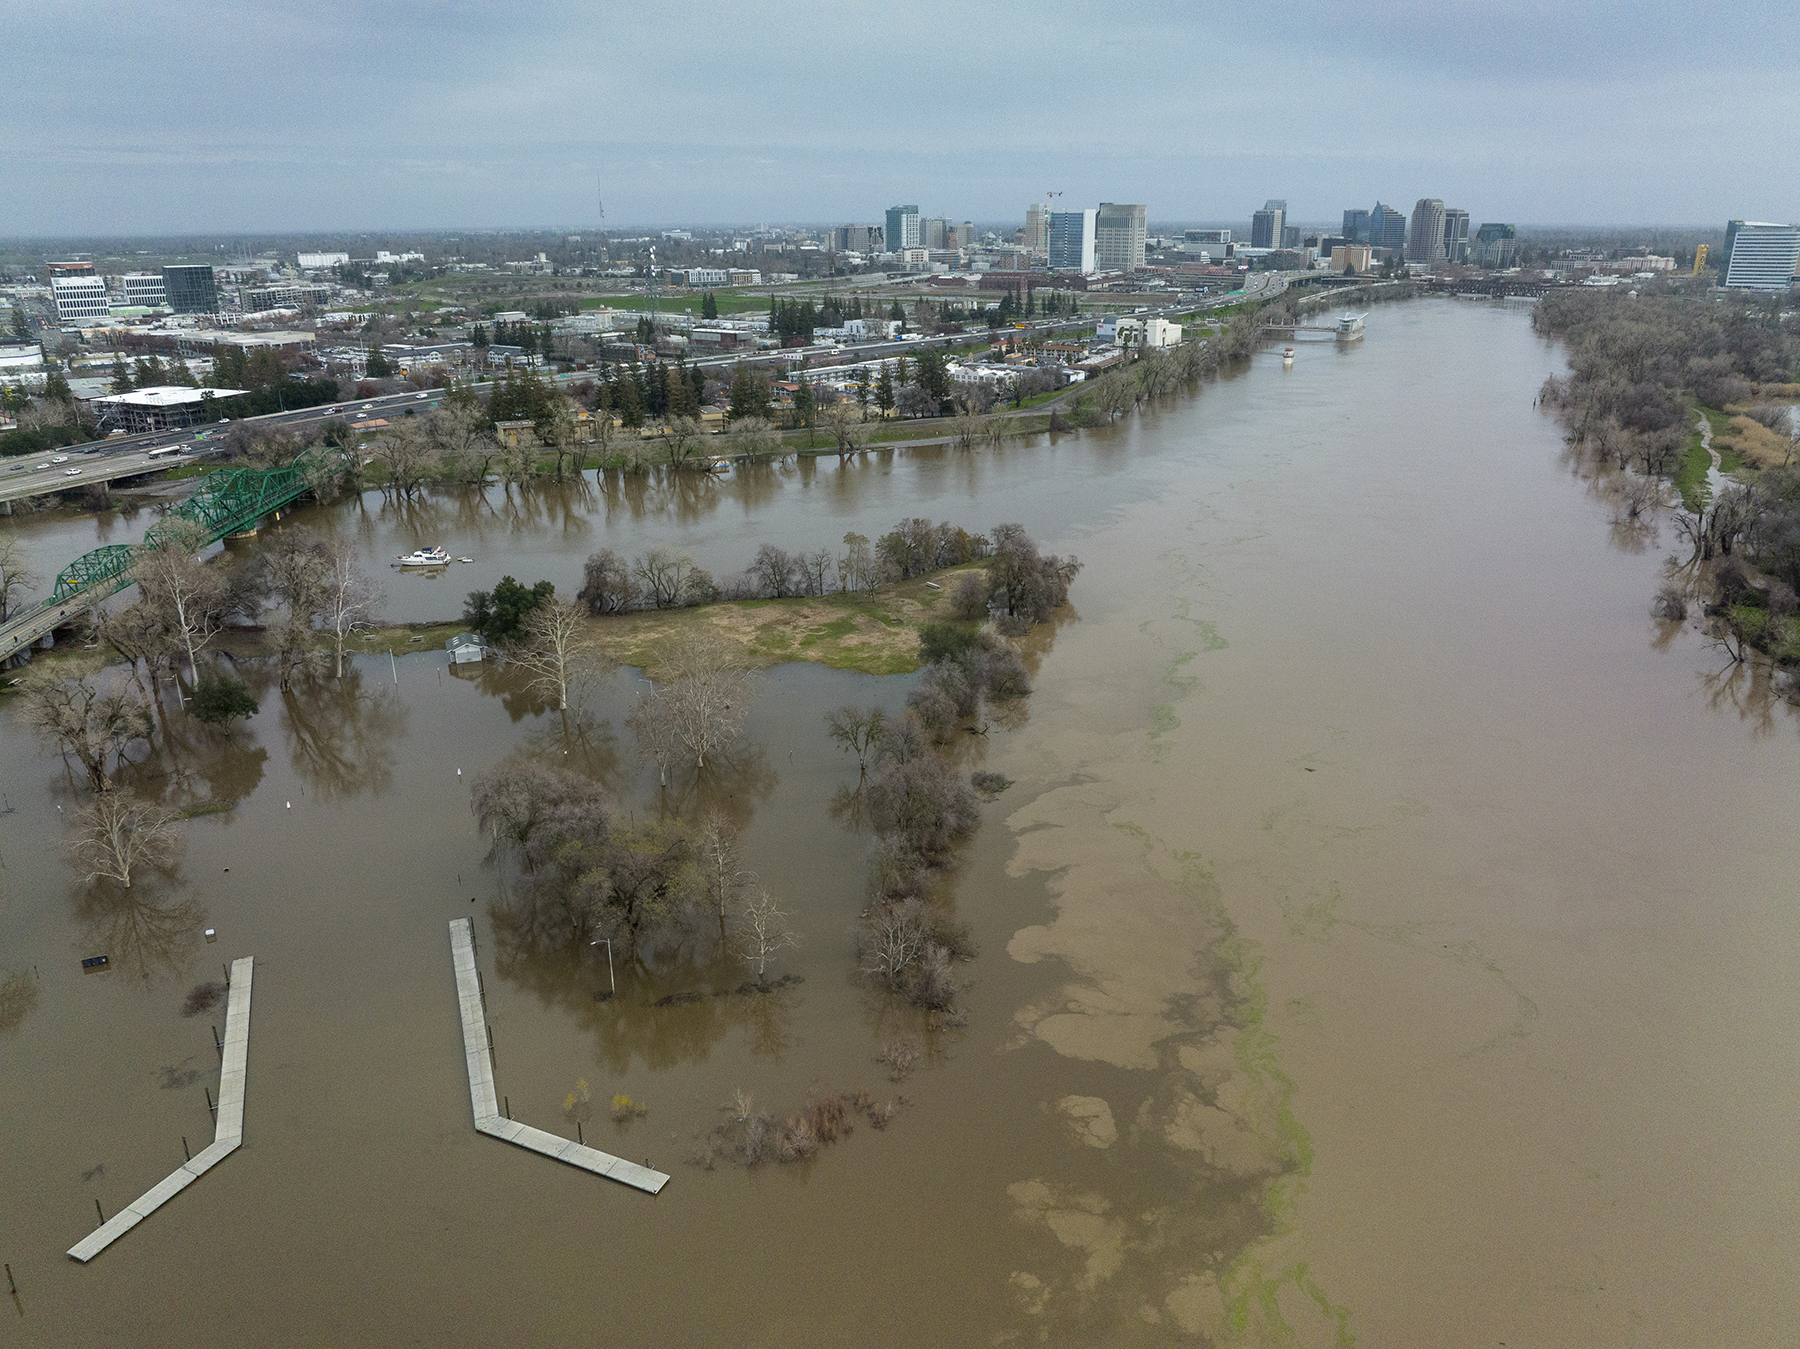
426 557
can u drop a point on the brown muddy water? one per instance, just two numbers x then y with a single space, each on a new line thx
1390 938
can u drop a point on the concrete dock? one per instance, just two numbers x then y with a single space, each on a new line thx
488 1119
228 1130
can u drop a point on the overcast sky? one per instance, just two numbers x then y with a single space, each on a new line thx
172 117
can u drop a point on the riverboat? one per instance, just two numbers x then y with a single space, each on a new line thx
1350 328
426 557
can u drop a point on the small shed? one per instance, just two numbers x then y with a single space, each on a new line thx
465 647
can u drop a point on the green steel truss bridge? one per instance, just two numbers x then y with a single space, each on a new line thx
227 502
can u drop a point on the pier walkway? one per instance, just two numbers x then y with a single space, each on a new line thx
488 1119
228 1129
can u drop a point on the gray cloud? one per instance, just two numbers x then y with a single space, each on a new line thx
163 116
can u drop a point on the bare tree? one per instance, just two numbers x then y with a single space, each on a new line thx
559 651
190 597
295 570
965 428
859 731
751 436
409 456
137 633
653 722
557 430
349 601
15 577
762 931
719 855
606 583
684 440
856 568
815 567
672 580
605 432
845 421
116 835
93 721
710 694
464 444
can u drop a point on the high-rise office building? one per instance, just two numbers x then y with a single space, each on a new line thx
857 238
191 290
1265 225
902 228
1356 226
1119 237
1496 244
934 230
1071 240
1037 227
1426 240
1456 235
1290 236
1760 256
1387 228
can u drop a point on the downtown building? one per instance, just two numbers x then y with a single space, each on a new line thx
1072 242
1387 228
191 290
1456 235
79 296
1266 224
142 290
1119 237
1426 240
1760 256
902 228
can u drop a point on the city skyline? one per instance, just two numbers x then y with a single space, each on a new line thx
429 118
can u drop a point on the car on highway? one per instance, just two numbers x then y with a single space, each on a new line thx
421 395
59 459
366 407
70 472
45 464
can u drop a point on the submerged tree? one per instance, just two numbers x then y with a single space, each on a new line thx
116 836
92 720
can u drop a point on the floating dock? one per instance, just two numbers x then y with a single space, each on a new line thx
228 1128
482 1100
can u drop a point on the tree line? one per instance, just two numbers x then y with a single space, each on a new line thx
1642 371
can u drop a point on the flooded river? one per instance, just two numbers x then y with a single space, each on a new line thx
1390 936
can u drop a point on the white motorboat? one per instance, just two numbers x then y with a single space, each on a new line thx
426 557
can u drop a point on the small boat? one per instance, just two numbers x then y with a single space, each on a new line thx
426 557
465 559
1287 355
